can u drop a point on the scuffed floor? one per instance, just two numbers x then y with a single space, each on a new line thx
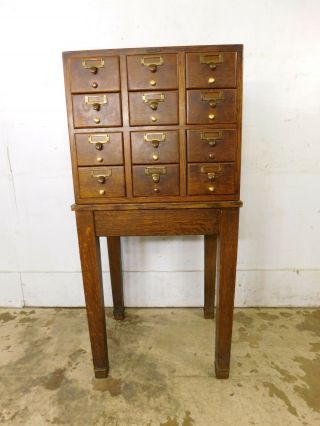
161 369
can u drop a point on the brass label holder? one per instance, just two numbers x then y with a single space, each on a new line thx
95 99
212 60
154 138
99 138
153 99
101 174
93 64
213 168
155 173
152 62
211 136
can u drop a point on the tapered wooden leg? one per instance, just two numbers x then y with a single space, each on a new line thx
93 289
115 264
210 262
228 243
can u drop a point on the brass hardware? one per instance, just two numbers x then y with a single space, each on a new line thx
155 157
212 168
211 136
152 82
152 62
96 120
96 101
102 192
93 64
155 172
212 60
153 118
211 116
156 190
213 97
211 156
152 99
94 84
211 80
99 159
211 188
99 140
211 175
101 174
154 138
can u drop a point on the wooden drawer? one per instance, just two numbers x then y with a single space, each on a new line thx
216 69
152 72
99 148
211 106
155 180
147 108
95 74
205 179
211 145
101 182
155 147
98 110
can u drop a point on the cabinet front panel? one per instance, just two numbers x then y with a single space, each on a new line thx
102 182
152 147
152 72
206 179
211 70
95 74
153 108
211 106
94 149
212 145
98 110
153 181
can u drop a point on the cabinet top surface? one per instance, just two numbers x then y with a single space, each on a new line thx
157 49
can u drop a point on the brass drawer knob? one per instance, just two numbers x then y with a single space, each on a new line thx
96 120
211 188
211 80
153 118
153 82
155 157
102 192
99 159
94 84
211 156
211 116
156 190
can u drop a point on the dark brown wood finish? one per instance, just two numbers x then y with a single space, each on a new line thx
155 138
210 264
93 290
115 265
228 242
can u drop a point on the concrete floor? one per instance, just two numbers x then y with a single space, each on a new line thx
161 369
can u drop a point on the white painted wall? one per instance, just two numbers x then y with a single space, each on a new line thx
279 249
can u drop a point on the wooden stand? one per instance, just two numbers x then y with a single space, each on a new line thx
217 221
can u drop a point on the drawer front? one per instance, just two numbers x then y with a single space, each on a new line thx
99 148
211 145
155 147
210 70
152 72
98 110
101 182
147 108
155 180
211 106
206 179
95 74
